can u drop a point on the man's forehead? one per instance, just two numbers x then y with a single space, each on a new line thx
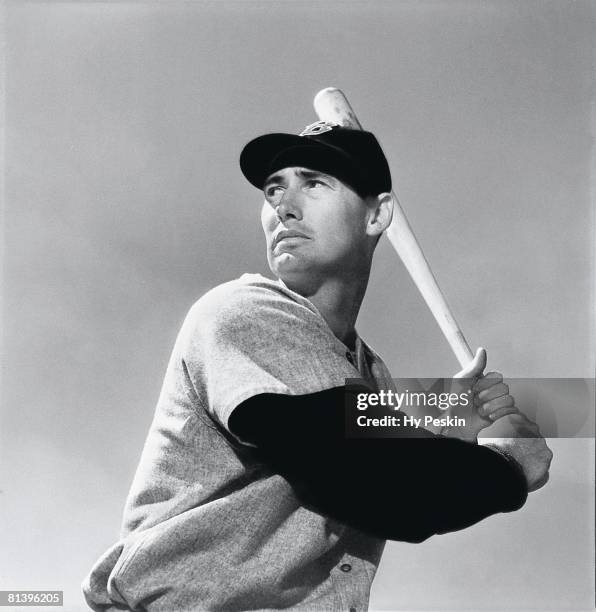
300 171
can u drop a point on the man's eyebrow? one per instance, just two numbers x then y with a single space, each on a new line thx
310 174
274 178
303 173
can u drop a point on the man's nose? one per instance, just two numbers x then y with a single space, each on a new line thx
289 205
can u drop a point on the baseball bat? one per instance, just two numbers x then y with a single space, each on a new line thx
331 105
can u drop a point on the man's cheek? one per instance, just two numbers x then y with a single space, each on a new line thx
268 219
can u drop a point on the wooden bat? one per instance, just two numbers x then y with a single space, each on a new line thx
331 105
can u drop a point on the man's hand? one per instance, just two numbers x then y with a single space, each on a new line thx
494 411
489 395
520 439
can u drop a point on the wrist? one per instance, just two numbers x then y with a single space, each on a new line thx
513 462
459 433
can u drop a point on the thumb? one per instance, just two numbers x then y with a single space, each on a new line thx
475 367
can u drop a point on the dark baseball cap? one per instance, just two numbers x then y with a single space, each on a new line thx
354 157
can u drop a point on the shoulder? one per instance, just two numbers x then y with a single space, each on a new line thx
251 301
244 295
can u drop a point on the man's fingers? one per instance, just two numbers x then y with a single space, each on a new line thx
501 412
475 367
486 381
488 408
491 393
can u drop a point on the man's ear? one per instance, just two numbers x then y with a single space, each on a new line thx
381 214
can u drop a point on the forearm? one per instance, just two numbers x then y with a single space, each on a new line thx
401 489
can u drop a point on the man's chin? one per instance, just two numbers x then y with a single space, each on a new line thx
291 268
287 263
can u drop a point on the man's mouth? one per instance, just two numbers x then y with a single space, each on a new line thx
288 235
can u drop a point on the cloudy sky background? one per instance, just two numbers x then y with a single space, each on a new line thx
123 203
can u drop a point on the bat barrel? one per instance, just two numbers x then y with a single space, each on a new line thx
331 105
408 248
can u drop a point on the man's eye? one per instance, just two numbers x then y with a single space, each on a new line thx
315 183
273 190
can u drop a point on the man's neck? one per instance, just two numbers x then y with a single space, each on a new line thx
338 300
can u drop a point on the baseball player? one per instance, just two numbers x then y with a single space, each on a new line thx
248 495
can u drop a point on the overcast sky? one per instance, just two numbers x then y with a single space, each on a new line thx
124 203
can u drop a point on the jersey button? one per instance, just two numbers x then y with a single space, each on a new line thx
349 357
345 567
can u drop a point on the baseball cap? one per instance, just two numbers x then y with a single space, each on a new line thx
354 157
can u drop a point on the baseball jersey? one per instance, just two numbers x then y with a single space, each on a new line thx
207 525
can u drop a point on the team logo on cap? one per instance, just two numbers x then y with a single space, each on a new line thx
319 127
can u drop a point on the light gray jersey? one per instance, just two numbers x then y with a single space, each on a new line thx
207 526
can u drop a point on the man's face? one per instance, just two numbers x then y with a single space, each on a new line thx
314 224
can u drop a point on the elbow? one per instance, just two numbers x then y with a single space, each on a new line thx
415 536
413 531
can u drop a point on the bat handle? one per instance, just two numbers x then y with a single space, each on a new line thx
332 105
460 347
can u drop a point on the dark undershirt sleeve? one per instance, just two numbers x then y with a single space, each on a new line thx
405 489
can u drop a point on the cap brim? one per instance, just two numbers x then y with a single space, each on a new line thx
258 156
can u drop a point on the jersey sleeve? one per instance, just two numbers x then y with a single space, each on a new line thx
388 488
242 340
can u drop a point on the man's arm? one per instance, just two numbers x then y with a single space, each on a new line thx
389 488
506 429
